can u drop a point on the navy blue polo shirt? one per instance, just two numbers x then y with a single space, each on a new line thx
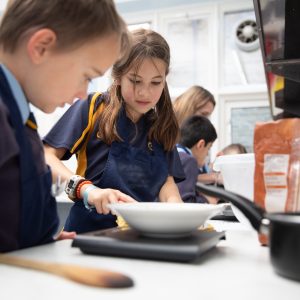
70 133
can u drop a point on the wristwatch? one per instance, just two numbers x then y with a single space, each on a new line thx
72 185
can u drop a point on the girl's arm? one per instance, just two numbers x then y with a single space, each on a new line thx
169 191
53 159
97 197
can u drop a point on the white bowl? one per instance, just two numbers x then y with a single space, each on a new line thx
238 176
158 219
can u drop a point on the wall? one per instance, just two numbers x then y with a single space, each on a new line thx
203 44
2 4
210 59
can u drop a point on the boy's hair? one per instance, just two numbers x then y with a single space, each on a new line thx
197 128
234 149
188 103
164 127
73 21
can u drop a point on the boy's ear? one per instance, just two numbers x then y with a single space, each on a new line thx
201 144
40 43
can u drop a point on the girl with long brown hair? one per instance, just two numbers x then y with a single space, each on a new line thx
124 139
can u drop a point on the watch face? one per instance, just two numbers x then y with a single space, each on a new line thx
71 182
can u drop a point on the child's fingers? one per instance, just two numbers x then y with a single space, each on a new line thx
105 208
111 196
125 198
63 235
98 207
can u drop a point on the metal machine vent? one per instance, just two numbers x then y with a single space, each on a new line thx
247 35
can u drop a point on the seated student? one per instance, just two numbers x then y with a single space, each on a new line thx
197 135
195 101
212 177
44 61
124 139
228 150
233 149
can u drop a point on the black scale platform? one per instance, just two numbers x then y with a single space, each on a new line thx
126 242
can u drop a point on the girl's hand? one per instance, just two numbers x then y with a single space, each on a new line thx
174 199
101 197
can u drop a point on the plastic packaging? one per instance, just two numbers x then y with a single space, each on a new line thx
277 166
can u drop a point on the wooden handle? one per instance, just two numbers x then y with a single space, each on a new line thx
88 276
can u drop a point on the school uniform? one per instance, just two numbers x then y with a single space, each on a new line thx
204 169
28 213
135 166
187 187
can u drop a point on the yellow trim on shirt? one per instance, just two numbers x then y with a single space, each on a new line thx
81 155
90 117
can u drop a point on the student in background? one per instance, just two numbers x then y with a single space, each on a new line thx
200 102
197 135
194 101
124 139
228 150
49 51
215 177
233 149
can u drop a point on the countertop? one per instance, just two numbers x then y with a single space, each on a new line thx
238 268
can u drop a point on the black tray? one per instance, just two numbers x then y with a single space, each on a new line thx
127 242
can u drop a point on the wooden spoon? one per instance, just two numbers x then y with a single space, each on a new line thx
88 276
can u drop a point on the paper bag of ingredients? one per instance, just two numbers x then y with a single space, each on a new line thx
277 166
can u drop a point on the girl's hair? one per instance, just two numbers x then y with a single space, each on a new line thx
188 103
164 127
73 21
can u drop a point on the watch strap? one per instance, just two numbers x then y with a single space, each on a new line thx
72 184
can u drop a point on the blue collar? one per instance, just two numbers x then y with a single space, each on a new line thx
184 149
17 93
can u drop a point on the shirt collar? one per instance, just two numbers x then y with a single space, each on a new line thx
181 148
18 93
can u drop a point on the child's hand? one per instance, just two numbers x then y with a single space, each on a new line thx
65 235
174 199
101 197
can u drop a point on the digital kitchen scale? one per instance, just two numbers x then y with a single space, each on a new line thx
126 242
226 215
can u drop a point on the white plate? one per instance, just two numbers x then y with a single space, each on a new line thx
158 219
